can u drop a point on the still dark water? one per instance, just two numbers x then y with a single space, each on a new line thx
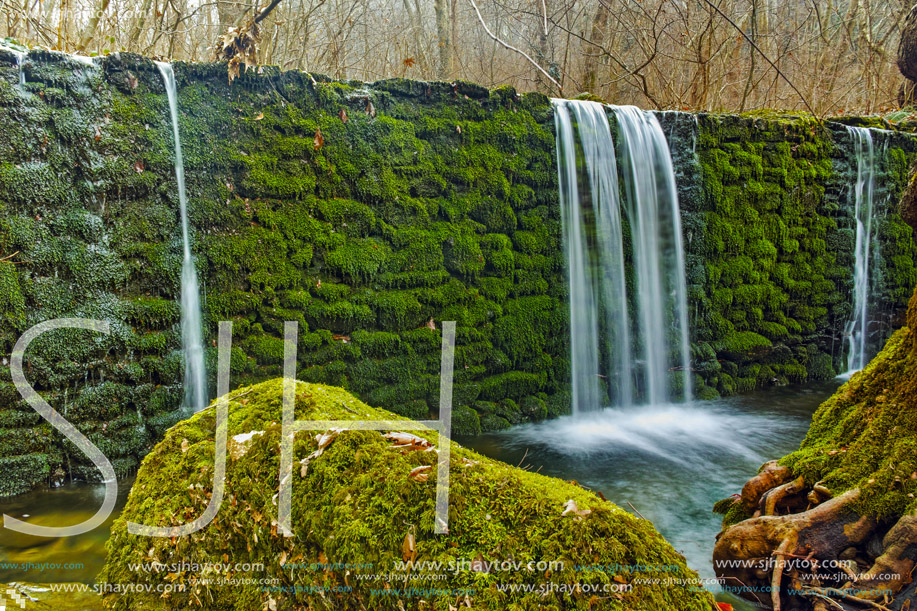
80 558
669 463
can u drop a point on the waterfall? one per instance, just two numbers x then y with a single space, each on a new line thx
857 326
192 342
595 215
20 61
658 252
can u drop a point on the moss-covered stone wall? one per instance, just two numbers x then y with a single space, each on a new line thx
768 214
364 211
417 203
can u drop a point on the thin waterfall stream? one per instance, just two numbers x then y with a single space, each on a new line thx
191 320
864 195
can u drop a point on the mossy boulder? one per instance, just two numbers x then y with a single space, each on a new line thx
865 435
358 504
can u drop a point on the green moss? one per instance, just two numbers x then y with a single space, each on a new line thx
863 436
357 503
771 230
23 472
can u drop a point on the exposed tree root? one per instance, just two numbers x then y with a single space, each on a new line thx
894 568
759 551
770 476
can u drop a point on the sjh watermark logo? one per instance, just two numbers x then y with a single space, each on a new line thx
290 426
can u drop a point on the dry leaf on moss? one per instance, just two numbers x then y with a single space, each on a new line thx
421 473
324 440
571 507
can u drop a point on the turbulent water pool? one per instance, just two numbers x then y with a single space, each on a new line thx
669 464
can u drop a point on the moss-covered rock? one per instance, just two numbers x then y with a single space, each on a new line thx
865 436
358 504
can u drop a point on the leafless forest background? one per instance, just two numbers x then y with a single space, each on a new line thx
665 54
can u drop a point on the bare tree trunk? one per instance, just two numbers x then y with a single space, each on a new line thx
89 31
907 47
134 36
591 53
445 42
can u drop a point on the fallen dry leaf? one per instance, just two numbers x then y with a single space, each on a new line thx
260 116
319 140
343 115
409 547
184 445
421 473
571 507
405 442
324 440
370 109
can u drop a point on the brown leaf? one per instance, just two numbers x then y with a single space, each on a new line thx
343 115
324 440
370 109
409 62
571 507
431 324
319 140
408 547
420 474
98 135
138 167
184 445
232 68
260 116
406 440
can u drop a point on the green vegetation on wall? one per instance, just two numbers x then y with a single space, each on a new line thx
770 235
370 213
367 213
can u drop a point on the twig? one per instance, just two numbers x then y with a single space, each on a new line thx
263 14
766 58
512 48
10 256
635 509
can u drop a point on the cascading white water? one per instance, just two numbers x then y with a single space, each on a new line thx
637 364
857 326
659 259
20 62
593 278
191 322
